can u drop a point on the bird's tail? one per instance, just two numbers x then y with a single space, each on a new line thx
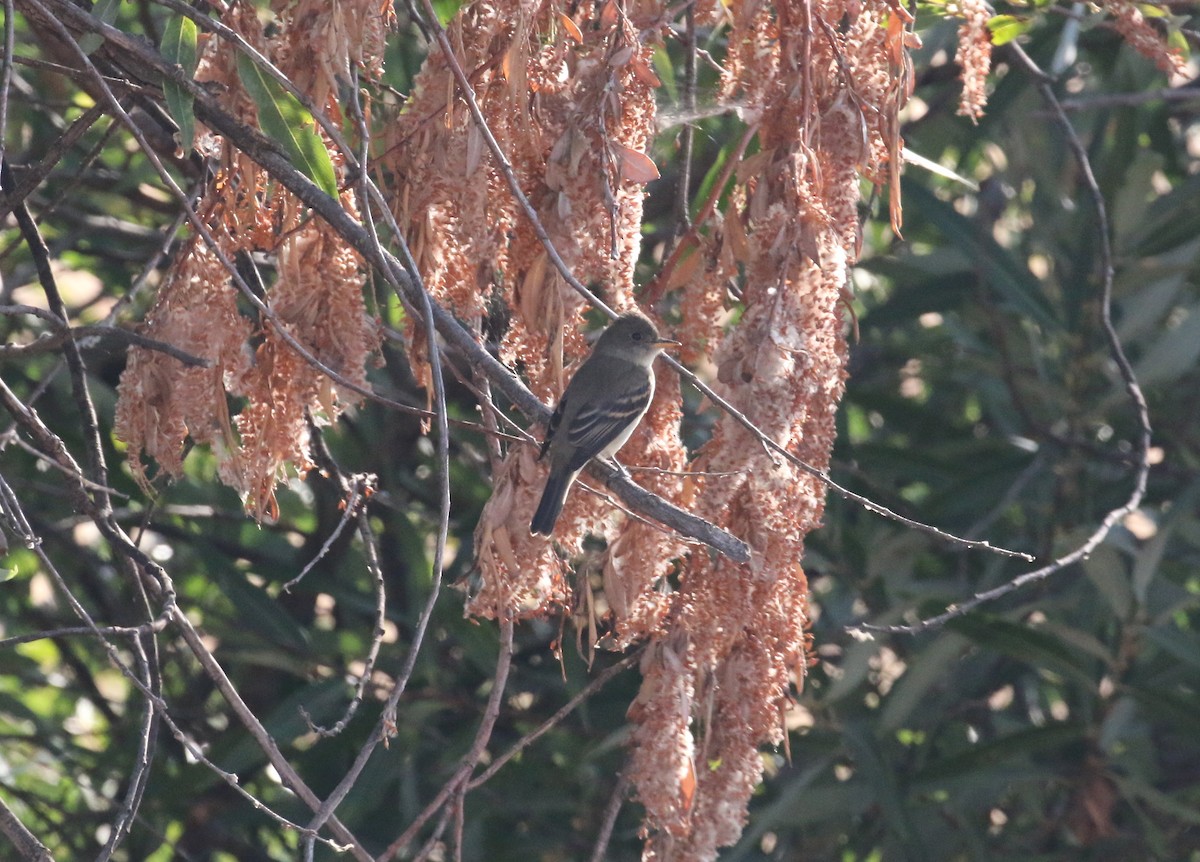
553 497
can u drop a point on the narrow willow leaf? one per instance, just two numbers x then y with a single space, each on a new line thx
179 47
106 11
284 120
1009 277
1005 28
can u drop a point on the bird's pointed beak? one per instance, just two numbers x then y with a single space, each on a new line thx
669 341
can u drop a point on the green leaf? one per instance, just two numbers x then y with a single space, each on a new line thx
1135 789
446 10
1174 353
1018 747
284 120
179 47
1032 646
1005 28
1011 279
106 11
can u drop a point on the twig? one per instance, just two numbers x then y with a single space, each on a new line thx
97 331
354 485
1124 100
467 764
32 177
683 219
357 489
611 810
25 842
11 436
99 631
868 504
1044 85
566 709
6 79
78 371
140 776
385 727
268 157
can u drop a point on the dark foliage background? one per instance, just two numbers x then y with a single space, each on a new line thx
1058 724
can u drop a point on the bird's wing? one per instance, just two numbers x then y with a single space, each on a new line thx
594 426
555 418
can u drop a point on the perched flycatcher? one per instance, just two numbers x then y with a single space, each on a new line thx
601 406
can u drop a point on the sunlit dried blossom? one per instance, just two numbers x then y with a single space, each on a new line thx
322 43
163 403
974 55
737 631
640 555
662 747
1131 23
517 577
573 109
317 296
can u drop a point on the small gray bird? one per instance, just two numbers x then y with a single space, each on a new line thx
603 403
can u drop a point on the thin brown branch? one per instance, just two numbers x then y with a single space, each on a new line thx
53 343
6 72
146 743
611 810
687 146
1044 83
466 765
23 841
1189 93
98 631
31 177
566 709
94 450
357 489
354 488
144 61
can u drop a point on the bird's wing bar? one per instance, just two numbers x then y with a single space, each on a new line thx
555 418
595 426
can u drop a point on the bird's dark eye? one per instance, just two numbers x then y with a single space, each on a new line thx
636 336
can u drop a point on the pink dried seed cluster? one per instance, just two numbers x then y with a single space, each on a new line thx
317 297
162 402
739 631
567 113
1131 23
974 56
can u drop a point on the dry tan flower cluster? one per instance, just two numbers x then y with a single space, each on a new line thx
570 96
1130 21
974 55
975 45
717 678
317 296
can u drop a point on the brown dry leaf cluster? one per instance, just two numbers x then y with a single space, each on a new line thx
718 676
1129 19
975 45
974 55
569 95
317 297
